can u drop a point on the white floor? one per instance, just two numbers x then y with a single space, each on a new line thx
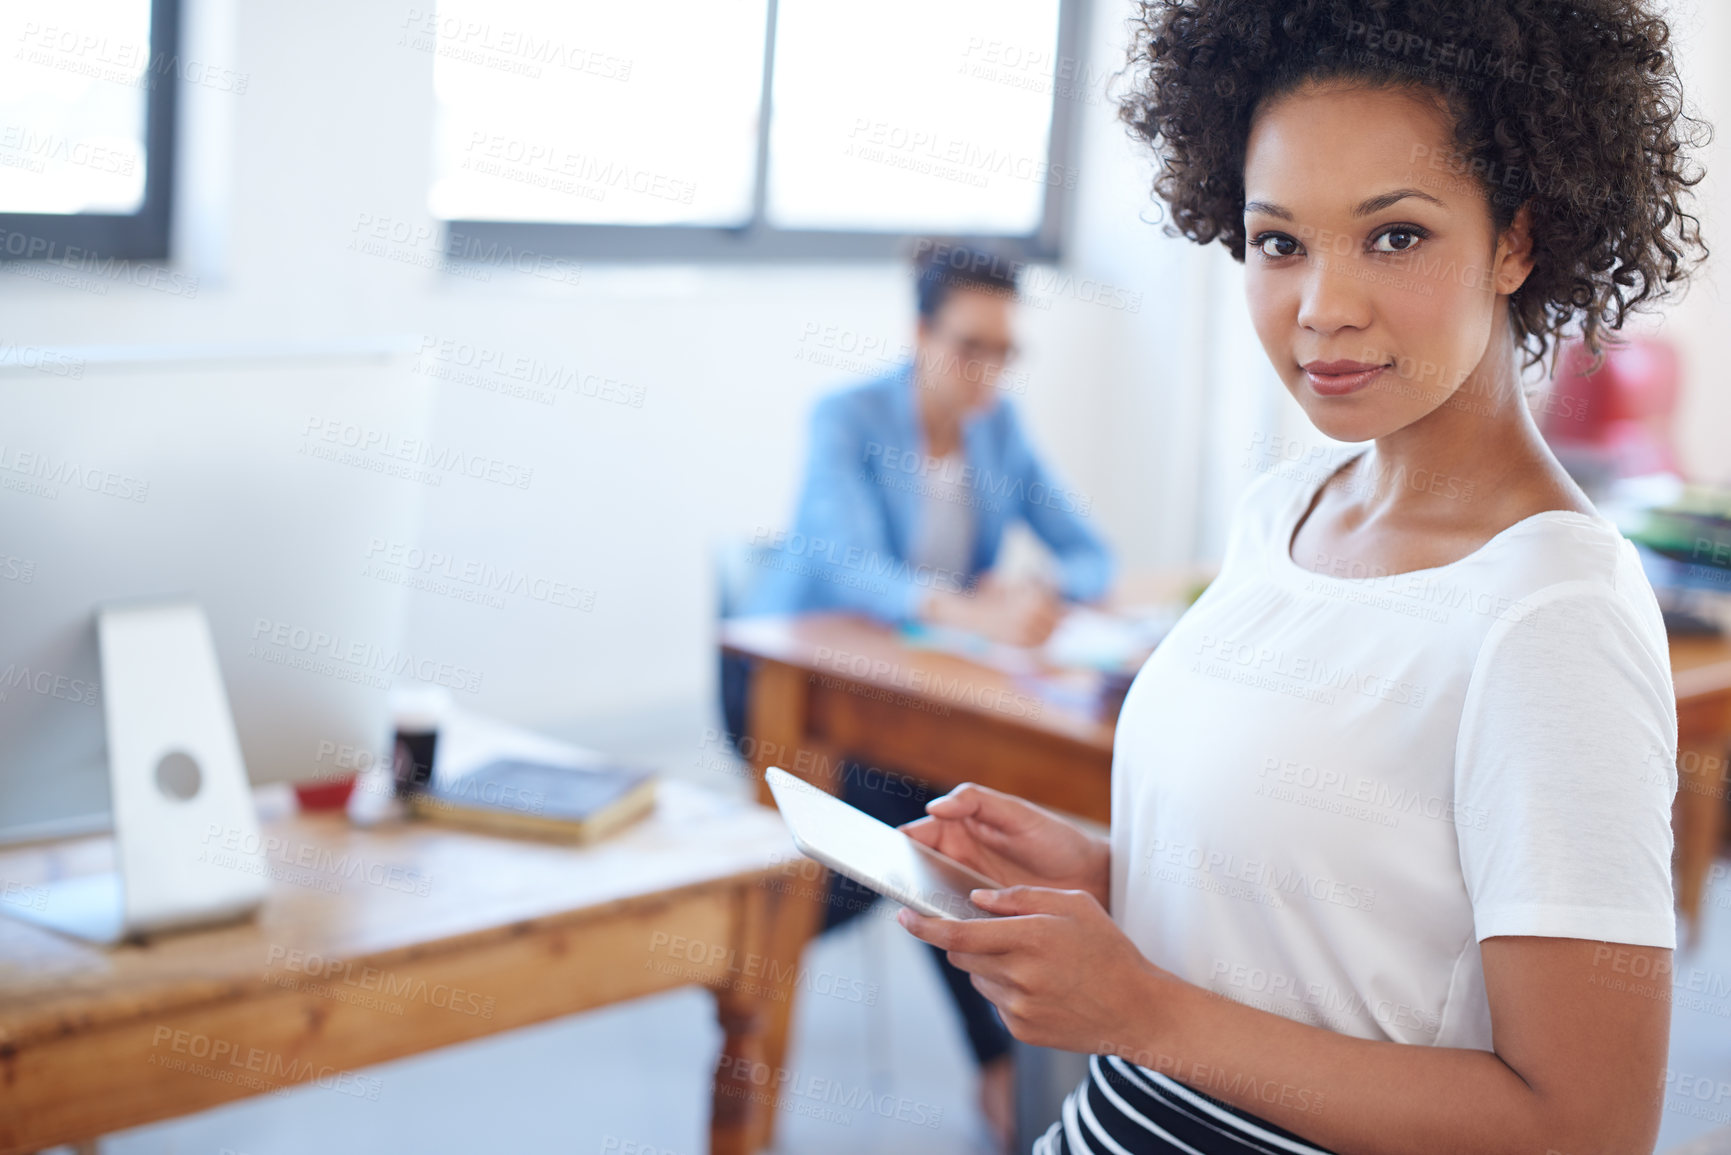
891 1076
1698 1076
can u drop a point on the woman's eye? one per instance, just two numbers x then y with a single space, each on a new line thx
1276 245
1396 241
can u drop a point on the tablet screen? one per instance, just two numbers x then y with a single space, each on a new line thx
872 853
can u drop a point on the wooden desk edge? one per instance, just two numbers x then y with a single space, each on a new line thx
19 1030
45 1106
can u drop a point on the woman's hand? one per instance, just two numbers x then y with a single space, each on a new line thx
1013 842
1059 970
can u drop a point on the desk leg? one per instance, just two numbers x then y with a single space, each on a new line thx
795 917
740 1112
775 719
1698 817
775 924
793 912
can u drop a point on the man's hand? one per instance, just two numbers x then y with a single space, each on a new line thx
1017 613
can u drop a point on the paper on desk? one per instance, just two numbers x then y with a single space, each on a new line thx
948 640
1095 640
1085 638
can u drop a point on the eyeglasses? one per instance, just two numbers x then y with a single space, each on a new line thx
971 350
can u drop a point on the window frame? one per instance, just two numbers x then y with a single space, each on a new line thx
142 235
759 241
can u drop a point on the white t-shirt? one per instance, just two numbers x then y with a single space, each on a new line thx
1327 790
944 539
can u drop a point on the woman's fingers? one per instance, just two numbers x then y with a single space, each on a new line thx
928 831
941 834
970 935
958 803
948 839
996 992
981 803
994 967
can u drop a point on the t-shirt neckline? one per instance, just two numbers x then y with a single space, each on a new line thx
1287 528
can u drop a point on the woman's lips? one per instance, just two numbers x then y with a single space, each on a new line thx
1338 378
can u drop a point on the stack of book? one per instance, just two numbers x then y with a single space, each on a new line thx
511 796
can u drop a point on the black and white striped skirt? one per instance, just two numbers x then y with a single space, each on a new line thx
1124 1109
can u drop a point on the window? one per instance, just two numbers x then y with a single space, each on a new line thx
87 128
750 129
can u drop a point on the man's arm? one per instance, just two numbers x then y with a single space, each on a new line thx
841 538
1060 516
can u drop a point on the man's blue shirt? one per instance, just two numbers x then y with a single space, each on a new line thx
864 494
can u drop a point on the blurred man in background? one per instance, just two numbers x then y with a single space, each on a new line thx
911 481
914 476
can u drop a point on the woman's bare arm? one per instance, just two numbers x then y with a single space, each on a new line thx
1578 1067
1580 1028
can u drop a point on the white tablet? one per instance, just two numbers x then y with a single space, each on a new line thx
873 854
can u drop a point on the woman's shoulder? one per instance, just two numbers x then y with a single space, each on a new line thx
1547 534
1569 583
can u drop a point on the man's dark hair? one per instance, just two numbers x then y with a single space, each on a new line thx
940 268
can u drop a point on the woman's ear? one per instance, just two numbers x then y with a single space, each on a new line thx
1513 262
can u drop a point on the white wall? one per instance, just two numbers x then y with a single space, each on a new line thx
332 132
1148 409
1701 32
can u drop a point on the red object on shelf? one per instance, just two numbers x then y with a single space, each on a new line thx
1623 411
325 794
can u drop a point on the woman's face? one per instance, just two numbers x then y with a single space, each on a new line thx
1372 268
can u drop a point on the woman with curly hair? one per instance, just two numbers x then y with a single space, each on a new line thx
1389 866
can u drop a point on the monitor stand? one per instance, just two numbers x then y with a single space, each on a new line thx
187 846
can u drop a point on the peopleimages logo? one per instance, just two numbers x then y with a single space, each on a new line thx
320 645
404 561
1282 993
42 147
50 361
436 460
1369 798
1258 880
389 984
883 675
311 856
503 47
255 1068
28 247
1002 486
1230 657
46 683
826 1099
822 551
45 467
546 164
539 379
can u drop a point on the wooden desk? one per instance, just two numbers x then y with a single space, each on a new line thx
374 944
826 685
830 684
1701 673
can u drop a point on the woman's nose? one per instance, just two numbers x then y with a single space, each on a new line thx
1335 296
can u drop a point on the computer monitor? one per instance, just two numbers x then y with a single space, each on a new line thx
264 484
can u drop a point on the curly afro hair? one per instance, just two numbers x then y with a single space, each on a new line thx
1569 107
